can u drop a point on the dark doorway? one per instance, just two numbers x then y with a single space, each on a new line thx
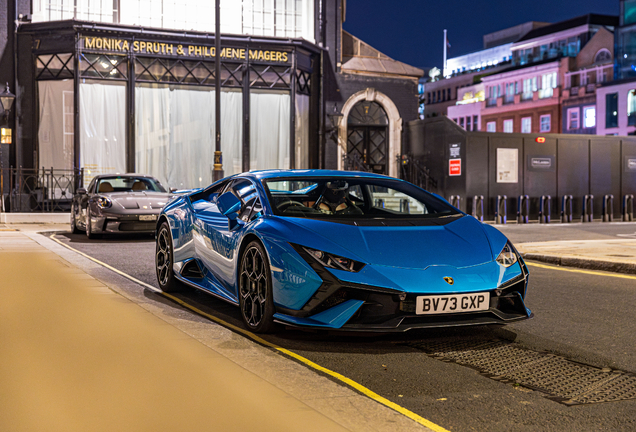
367 130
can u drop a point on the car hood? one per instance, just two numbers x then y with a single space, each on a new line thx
460 243
139 200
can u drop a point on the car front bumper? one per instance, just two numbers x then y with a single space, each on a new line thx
112 223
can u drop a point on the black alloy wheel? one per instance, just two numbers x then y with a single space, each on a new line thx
74 229
255 289
164 260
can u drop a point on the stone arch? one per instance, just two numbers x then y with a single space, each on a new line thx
395 126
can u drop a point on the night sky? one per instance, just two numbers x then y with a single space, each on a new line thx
412 31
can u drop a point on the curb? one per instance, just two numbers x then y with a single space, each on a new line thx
34 218
584 263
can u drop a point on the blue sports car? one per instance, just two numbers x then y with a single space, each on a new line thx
338 250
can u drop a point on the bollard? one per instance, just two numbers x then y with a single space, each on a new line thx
404 206
545 209
628 208
566 209
587 213
502 209
523 209
455 200
608 208
478 207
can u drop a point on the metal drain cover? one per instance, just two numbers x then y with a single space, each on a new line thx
563 380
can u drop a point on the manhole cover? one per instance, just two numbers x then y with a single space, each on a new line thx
563 380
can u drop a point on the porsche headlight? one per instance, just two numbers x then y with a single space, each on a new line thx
335 261
103 202
508 256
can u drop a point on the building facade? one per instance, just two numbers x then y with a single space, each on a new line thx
127 88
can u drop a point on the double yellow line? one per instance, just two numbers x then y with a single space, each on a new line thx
349 382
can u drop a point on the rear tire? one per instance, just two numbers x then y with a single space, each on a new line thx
164 261
255 289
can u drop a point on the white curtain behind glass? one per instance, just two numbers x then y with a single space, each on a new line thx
56 131
102 129
302 131
269 130
176 134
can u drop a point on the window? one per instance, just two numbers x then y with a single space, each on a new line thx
468 123
476 123
544 122
507 126
448 94
461 121
589 116
548 83
611 110
491 127
629 12
573 118
526 125
631 107
529 86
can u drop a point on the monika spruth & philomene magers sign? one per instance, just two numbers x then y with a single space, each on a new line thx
182 50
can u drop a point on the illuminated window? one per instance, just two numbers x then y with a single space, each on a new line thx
631 107
526 125
507 126
544 122
548 84
491 127
280 18
589 116
5 136
573 118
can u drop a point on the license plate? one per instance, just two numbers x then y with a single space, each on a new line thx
148 217
453 303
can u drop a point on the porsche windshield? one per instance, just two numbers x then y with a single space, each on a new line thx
353 198
128 184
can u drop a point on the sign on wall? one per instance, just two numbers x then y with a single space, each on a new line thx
507 165
541 163
454 167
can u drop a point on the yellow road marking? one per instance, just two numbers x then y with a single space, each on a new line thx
573 270
356 386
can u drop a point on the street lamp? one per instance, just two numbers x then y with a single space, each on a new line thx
6 100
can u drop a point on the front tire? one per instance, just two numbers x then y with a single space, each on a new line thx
74 229
89 229
255 289
164 261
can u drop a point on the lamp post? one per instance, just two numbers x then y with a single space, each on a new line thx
6 100
218 156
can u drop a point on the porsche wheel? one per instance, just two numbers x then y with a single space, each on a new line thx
255 289
164 260
74 229
89 230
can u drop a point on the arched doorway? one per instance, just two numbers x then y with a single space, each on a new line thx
367 136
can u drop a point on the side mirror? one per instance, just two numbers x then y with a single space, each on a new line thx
172 190
80 191
228 203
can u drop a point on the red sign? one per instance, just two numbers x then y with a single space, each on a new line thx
454 167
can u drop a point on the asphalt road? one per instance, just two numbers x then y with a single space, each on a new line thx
585 318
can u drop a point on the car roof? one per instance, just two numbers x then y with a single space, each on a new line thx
272 174
100 176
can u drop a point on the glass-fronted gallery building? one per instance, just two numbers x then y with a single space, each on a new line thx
117 96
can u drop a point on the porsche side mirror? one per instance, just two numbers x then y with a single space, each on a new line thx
228 203
81 191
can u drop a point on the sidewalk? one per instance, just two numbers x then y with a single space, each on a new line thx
77 355
607 255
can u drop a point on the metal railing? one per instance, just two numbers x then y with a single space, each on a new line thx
31 190
414 171
353 162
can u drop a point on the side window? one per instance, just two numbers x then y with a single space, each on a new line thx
91 186
209 194
246 192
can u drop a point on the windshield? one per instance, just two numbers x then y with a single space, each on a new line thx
352 198
128 184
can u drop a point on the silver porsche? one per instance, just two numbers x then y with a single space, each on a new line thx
114 203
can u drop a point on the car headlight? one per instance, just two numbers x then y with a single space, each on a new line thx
335 261
508 256
103 202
